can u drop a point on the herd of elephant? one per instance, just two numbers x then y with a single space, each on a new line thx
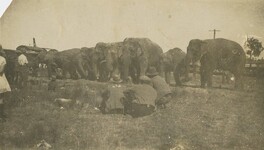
131 58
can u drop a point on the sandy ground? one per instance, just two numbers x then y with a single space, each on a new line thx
216 118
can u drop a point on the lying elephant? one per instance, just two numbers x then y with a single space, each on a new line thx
217 54
173 61
137 56
107 56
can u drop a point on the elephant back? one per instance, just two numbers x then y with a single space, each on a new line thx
177 55
227 52
150 49
224 47
66 56
174 56
47 57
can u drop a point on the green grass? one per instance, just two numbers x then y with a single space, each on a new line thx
197 119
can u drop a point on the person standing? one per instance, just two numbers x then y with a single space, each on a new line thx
162 88
22 69
4 85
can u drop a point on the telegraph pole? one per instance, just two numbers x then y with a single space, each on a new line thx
214 31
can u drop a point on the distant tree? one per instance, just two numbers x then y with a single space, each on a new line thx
254 47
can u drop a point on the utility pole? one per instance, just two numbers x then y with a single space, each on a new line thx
214 31
34 42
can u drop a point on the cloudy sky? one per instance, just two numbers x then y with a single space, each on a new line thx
64 24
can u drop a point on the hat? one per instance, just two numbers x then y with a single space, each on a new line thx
152 71
145 79
116 79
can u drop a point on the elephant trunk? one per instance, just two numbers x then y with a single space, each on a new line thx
125 67
109 63
187 62
95 71
143 65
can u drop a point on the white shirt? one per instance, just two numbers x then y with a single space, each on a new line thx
4 85
22 60
2 63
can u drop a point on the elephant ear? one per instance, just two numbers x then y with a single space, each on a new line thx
120 51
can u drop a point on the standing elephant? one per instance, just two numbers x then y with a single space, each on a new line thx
72 61
217 54
173 61
88 58
11 64
106 59
137 56
47 58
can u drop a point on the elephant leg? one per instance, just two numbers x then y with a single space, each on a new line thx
209 78
194 71
103 74
167 76
177 78
81 71
143 64
73 74
64 74
161 70
238 81
91 74
72 71
203 77
132 72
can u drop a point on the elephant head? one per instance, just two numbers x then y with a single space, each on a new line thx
171 58
139 54
47 57
107 57
134 59
104 55
195 50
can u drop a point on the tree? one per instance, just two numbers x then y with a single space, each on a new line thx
254 47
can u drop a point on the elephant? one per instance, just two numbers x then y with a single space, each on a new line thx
173 61
47 58
217 54
72 61
107 59
137 56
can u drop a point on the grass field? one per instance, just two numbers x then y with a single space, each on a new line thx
217 118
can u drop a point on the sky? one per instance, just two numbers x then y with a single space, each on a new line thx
65 24
3 6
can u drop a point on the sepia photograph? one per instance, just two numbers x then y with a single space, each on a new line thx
131 74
